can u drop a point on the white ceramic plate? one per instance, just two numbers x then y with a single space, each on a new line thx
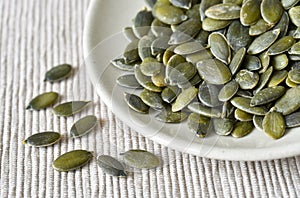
103 41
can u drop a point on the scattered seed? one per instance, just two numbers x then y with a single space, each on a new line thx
140 159
111 166
83 126
42 139
70 108
42 101
58 73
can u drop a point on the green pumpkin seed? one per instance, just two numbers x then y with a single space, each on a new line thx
244 104
199 56
72 160
140 159
268 12
277 78
83 126
267 95
160 29
237 60
159 79
294 75
274 125
238 35
287 4
290 83
263 80
136 103
242 115
169 14
224 11
168 116
223 126
184 98
42 139
205 4
265 61
283 24
202 37
280 61
208 94
159 45
192 82
142 23
257 121
242 129
194 13
129 34
263 41
168 54
250 14
247 79
152 99
219 47
129 81
260 27
252 63
111 166
120 64
58 73
294 15
199 108
209 24
182 73
188 48
186 4
282 45
199 124
131 54
170 93
144 47
150 66
228 91
42 101
214 71
145 81
295 49
70 108
289 102
296 34
292 120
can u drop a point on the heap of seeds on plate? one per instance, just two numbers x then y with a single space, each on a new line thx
226 66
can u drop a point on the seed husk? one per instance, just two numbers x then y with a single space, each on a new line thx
152 99
42 139
271 10
42 101
83 126
136 103
242 129
238 35
223 11
142 23
228 91
294 75
277 78
282 45
294 15
236 61
257 121
209 24
267 95
140 159
188 48
250 13
70 108
129 81
199 124
247 79
58 73
184 98
244 104
199 108
219 47
223 126
274 125
168 116
169 14
72 160
292 120
289 102
111 166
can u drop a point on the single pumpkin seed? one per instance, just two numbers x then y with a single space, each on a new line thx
72 160
267 95
277 78
263 80
159 79
283 24
219 47
289 102
199 56
290 83
238 35
292 120
150 66
242 115
223 11
205 4
280 61
294 15
145 81
199 108
168 54
131 54
260 27
199 124
70 108
257 121
168 116
182 73
184 98
136 103
237 60
111 166
169 14
295 49
120 64
208 94
43 101
287 4
247 79
265 61
271 11
144 47
129 81
274 125
159 45
169 93
252 63
140 159
242 129
202 37
160 29
223 126
209 24
228 91
188 48
129 34
294 75
83 126
42 139
58 73
282 45
194 12
142 23
244 104
250 12
152 99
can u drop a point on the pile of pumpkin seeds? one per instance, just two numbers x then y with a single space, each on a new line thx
77 158
226 66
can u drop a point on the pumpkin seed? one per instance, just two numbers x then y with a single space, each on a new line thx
292 120
280 61
214 71
283 24
144 47
151 99
129 81
242 115
194 12
159 45
223 11
168 14
282 45
199 56
265 61
289 102
260 27
205 4
294 57
199 124
42 139
242 129
274 125
287 4
294 75
295 49
244 104
202 37
188 48
168 116
263 41
208 94
145 81
186 4
209 24
131 54
42 101
129 34
184 98
247 79
120 64
250 14
70 108
159 79
136 103
72 160
58 73
223 126
294 15
267 95
142 23
182 73
277 78
238 35
269 15
219 47
111 166
83 126
168 54
169 93
237 59
150 3
150 66
140 159
199 108
160 29
228 91
227 109
257 121
252 63
263 80
290 83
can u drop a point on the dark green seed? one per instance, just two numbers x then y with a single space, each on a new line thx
111 166
228 91
199 124
58 73
136 103
129 81
292 120
70 108
168 116
42 139
267 95
83 126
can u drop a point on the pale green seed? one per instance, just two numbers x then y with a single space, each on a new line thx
260 27
250 14
205 4
228 91
199 108
287 4
152 99
257 121
289 102
274 125
150 66
129 81
277 78
242 115
209 24
237 60
188 48
282 45
42 101
294 14
294 75
70 108
242 129
111 166
140 159
184 98
208 94
72 160
136 103
244 104
271 10
219 47
58 73
169 14
223 126
42 139
145 81
295 49
168 116
292 120
142 23
290 83
224 11
199 56
199 124
247 79
267 95
83 126
182 73
252 63
159 28
238 35
280 61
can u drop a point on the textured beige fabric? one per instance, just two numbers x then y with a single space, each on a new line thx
37 34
